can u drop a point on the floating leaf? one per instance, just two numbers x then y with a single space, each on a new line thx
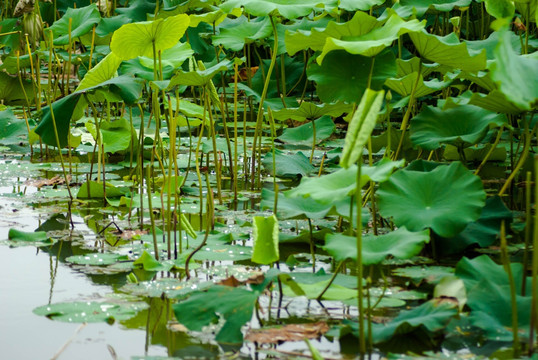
401 244
430 274
265 234
96 190
34 236
82 312
413 199
12 129
101 259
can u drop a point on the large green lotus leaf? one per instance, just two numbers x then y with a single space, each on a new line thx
241 32
11 92
315 37
100 259
491 43
137 10
30 237
134 68
413 65
488 293
103 71
140 39
373 42
265 235
501 9
86 311
448 50
432 315
482 232
202 308
82 20
304 24
109 25
12 64
288 165
304 134
336 186
309 111
211 17
344 77
199 77
404 85
462 125
421 6
360 127
495 101
512 73
289 9
172 57
116 135
12 129
148 262
401 244
294 207
62 110
354 5
444 199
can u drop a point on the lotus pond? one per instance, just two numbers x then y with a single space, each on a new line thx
324 179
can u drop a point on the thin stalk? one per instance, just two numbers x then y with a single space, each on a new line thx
152 218
335 274
508 269
312 246
236 155
313 141
358 199
528 227
534 312
259 117
211 127
493 146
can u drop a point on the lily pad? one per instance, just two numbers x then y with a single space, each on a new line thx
82 311
101 259
413 199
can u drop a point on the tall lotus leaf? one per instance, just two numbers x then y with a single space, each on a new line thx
462 126
294 207
491 43
12 129
360 24
199 77
102 72
287 166
501 9
137 10
402 244
309 111
172 57
212 17
140 39
62 110
265 234
289 9
343 76
11 92
444 199
116 135
421 6
375 41
82 20
361 126
243 32
304 134
111 24
494 101
203 308
432 315
354 5
448 50
329 189
513 72
303 25
404 85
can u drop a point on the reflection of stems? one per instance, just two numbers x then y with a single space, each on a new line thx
335 273
528 226
202 244
358 199
312 246
508 269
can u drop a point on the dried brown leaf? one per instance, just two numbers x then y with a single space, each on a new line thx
290 332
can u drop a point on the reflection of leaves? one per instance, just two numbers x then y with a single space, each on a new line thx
289 332
81 312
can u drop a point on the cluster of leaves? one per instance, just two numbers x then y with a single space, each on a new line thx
415 80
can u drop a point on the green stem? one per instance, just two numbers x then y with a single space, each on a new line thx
358 200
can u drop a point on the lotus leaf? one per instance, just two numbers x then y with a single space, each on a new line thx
172 57
82 20
501 9
343 76
304 134
288 165
364 5
142 39
34 236
265 234
199 77
289 9
243 32
12 93
414 199
401 244
202 308
137 9
421 6
310 111
429 274
12 129
82 312
461 126
101 259
404 85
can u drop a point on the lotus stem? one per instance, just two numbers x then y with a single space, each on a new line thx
493 146
358 199
534 312
528 227
407 115
333 277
